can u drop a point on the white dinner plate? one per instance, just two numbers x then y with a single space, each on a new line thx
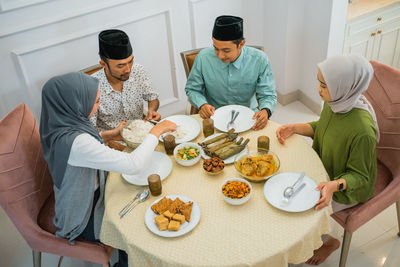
229 160
242 123
189 124
159 164
303 200
186 227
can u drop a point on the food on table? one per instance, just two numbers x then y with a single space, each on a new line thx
173 213
257 166
186 210
178 217
180 132
162 222
173 225
213 165
168 214
235 189
224 146
188 153
263 143
136 130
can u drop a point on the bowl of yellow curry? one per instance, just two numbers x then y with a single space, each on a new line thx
257 166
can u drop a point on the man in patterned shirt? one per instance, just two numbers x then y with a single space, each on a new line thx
123 85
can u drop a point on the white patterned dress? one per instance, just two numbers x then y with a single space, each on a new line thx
122 106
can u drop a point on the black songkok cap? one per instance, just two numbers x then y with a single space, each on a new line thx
114 44
228 28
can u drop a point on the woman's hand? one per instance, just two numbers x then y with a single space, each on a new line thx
284 132
327 189
113 134
163 127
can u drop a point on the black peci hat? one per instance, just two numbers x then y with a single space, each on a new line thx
228 28
114 44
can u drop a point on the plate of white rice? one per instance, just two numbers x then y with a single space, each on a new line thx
188 128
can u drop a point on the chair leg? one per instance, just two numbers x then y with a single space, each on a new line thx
345 248
37 258
398 214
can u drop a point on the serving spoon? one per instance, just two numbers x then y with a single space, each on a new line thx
143 197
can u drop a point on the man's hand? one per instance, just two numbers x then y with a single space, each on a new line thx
327 189
262 119
153 115
206 111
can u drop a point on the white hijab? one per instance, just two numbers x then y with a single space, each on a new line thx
347 77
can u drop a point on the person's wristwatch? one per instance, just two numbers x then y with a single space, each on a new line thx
340 185
268 111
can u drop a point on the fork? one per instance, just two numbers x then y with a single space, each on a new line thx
234 115
130 202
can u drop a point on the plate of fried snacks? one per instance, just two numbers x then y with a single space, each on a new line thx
188 128
242 123
172 216
225 146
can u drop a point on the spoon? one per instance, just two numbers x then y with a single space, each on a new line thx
130 202
143 197
285 200
288 192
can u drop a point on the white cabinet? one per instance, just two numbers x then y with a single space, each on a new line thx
375 36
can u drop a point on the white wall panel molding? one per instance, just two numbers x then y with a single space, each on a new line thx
192 5
6 5
56 18
19 55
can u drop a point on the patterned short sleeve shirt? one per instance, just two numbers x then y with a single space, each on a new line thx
122 106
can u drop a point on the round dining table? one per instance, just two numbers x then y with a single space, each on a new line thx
253 234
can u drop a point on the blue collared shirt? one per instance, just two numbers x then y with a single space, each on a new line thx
219 84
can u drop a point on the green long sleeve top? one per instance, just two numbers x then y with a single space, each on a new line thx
346 144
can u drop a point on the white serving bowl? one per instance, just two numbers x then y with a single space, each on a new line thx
237 201
189 162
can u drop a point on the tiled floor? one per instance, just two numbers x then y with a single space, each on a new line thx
374 244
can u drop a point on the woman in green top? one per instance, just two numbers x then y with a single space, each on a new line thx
345 138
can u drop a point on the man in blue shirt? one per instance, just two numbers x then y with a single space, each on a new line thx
232 73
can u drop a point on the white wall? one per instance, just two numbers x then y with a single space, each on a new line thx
40 39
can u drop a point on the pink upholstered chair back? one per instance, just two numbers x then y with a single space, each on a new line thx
384 95
25 182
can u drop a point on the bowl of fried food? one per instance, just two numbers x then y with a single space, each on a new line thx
213 166
187 154
257 166
135 131
236 191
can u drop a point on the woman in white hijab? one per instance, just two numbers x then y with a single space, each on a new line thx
344 137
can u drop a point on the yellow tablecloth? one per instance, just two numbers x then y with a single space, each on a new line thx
253 234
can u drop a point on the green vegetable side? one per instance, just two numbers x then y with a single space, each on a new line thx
187 153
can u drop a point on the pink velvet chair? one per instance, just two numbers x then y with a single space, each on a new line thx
26 191
384 95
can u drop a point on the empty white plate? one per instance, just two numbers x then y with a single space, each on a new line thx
242 123
303 200
159 164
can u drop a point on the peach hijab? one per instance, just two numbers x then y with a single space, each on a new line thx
347 77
